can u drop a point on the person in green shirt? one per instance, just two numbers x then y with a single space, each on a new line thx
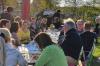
52 55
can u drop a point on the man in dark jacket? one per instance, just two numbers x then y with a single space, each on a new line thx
72 43
87 38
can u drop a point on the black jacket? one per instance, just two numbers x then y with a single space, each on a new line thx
88 40
72 44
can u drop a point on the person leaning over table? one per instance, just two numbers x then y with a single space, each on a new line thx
52 55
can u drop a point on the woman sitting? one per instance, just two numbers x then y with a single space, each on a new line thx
24 33
12 56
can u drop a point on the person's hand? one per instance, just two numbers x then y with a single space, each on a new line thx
35 56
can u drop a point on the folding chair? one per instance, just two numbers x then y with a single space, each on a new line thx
90 56
79 63
88 59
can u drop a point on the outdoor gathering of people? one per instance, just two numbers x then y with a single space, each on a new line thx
65 42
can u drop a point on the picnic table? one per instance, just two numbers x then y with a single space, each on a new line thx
31 50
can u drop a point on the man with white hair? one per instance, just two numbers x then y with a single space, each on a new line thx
72 42
69 24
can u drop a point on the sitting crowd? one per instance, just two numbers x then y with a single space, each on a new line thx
32 35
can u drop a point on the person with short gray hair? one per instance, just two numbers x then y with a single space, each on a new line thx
72 42
69 24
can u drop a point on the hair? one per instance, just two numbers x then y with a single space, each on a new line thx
9 9
5 33
15 42
88 25
17 18
43 39
14 27
3 22
32 18
80 20
58 11
69 23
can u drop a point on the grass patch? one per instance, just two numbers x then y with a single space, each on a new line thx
97 52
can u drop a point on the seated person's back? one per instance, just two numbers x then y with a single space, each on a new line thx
88 40
87 37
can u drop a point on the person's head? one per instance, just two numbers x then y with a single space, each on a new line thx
32 18
88 25
9 9
80 24
69 24
4 23
5 33
15 43
44 20
97 19
14 27
58 11
43 40
17 18
25 25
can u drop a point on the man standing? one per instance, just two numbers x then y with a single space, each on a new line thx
72 42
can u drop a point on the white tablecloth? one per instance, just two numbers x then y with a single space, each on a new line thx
54 34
